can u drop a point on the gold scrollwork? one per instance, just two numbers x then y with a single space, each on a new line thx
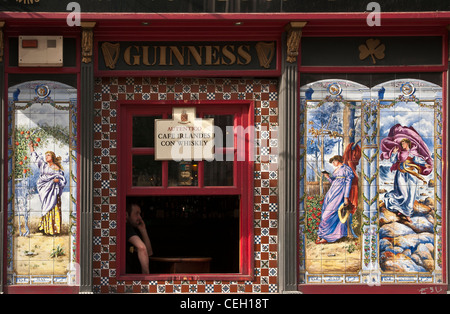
1 40
424 104
294 34
27 1
87 41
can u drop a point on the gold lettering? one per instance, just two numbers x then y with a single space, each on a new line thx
208 55
162 56
196 54
211 55
228 54
127 55
137 58
244 54
145 55
179 55
155 55
225 55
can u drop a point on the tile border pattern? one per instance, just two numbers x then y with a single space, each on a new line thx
264 92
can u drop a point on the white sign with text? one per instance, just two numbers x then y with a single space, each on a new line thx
184 137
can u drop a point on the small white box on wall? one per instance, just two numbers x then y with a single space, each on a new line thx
40 51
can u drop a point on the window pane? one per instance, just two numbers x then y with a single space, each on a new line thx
192 227
223 130
184 173
218 173
146 171
144 131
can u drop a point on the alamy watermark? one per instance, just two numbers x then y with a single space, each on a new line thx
74 17
244 141
374 17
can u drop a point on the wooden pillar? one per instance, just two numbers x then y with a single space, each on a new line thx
446 169
288 159
3 106
86 156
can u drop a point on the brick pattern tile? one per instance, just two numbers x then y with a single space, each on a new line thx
265 94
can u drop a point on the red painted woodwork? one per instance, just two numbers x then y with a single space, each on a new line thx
380 289
62 289
55 289
384 31
208 26
243 178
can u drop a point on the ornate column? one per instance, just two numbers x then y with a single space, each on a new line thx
86 156
2 44
369 175
445 166
2 151
288 159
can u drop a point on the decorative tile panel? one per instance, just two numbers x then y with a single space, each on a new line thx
396 154
42 184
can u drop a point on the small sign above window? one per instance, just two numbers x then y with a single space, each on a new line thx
40 51
184 137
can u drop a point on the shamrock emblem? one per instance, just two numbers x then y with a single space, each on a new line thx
372 48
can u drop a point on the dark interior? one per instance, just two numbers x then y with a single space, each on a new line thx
193 226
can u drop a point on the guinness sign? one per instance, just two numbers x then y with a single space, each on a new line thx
210 56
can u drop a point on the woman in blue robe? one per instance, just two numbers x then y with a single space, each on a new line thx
409 169
331 228
411 160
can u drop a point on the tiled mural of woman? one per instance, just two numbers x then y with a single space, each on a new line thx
332 226
42 183
50 187
411 160
398 236
331 212
410 180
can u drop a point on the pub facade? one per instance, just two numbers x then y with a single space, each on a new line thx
271 148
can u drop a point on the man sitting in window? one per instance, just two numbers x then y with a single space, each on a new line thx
139 247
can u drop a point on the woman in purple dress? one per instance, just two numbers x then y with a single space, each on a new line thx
50 187
331 228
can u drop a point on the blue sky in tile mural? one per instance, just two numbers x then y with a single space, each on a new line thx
327 131
406 114
418 113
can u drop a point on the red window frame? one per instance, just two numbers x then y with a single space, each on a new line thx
242 171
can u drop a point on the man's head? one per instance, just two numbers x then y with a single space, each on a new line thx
134 214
